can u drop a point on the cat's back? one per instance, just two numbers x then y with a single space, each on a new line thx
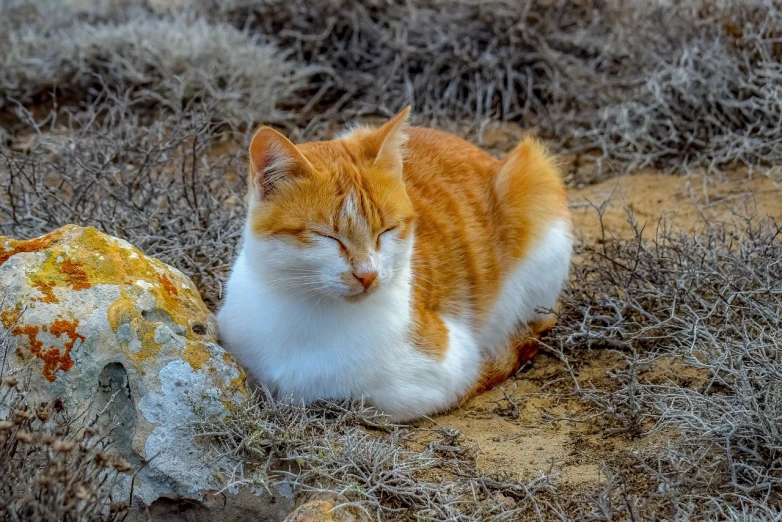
457 250
477 218
438 158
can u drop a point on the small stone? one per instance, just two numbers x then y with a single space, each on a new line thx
323 511
312 511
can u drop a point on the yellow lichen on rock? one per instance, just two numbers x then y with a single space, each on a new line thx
195 355
123 311
79 258
74 259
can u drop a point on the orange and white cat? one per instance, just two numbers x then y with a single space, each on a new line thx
400 265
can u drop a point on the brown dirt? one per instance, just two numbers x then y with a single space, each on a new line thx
521 439
683 201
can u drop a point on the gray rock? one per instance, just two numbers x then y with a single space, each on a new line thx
126 339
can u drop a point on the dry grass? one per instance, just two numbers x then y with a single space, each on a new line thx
132 118
709 303
617 77
353 453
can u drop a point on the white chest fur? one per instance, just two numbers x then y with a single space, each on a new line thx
311 348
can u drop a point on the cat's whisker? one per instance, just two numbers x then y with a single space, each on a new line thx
288 277
308 292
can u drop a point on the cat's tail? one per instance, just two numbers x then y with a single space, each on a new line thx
529 186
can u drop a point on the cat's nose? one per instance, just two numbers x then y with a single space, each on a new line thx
366 278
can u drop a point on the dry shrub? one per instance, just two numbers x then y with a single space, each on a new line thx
49 470
668 84
150 62
708 306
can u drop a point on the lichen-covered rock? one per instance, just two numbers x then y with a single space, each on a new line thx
126 339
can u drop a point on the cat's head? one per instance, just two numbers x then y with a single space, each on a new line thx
331 218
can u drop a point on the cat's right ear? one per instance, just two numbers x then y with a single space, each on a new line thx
274 160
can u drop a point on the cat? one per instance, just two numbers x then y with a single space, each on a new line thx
398 264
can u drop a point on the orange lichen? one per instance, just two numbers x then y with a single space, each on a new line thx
31 331
47 289
196 355
168 285
75 277
13 246
62 327
53 359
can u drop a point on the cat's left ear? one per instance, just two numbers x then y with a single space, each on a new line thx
274 160
387 143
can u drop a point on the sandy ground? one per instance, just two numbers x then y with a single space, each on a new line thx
511 427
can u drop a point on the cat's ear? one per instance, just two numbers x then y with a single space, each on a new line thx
387 143
274 159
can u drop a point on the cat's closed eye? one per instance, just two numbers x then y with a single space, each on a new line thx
383 233
288 234
332 238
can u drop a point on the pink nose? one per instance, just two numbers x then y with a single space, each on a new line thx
366 278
